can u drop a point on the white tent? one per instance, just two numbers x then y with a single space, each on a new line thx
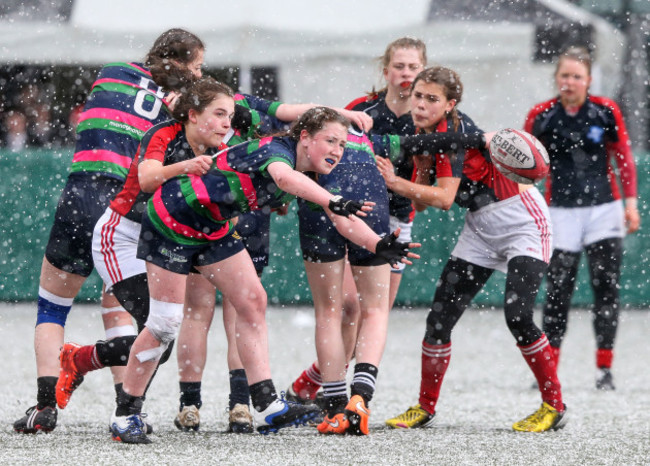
324 51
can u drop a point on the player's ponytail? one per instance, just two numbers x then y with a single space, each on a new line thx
169 56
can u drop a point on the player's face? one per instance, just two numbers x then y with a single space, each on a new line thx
213 123
572 80
429 105
323 150
196 65
404 66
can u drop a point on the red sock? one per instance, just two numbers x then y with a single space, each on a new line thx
556 356
435 360
604 358
308 383
540 358
86 359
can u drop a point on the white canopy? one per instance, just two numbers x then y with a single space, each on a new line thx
324 50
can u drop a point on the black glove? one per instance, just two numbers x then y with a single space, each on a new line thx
432 143
344 207
391 250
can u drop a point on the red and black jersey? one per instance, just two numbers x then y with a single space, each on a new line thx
581 148
481 183
386 122
165 142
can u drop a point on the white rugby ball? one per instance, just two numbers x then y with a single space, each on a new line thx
519 156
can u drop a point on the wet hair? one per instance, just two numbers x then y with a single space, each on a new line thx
576 53
198 96
450 82
169 56
314 120
401 43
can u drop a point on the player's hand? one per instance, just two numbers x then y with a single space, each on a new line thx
360 119
394 252
198 165
346 207
387 171
488 137
632 218
171 99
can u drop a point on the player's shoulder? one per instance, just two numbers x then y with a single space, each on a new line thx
542 107
604 102
363 102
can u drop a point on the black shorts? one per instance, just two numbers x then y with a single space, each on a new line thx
83 201
320 240
254 228
159 250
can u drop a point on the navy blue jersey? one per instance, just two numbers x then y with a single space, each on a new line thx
386 122
581 147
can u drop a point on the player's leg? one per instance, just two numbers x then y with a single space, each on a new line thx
192 348
604 258
560 285
76 360
326 284
167 293
396 274
459 282
240 420
55 296
236 278
522 284
373 284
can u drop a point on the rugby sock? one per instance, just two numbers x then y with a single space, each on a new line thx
555 351
86 359
539 357
435 361
46 389
308 383
604 358
239 391
263 394
364 381
335 396
128 405
190 394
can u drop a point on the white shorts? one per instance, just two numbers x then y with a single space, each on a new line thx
115 243
404 237
518 226
576 227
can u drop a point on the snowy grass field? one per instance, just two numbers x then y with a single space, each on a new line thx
486 389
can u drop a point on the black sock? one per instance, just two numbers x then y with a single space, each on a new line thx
46 394
263 394
128 405
363 383
190 394
239 391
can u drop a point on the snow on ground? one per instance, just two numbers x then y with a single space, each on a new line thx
486 389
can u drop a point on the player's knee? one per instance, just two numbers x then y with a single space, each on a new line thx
168 352
164 320
437 332
52 309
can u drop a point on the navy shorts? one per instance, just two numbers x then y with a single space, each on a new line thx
254 228
319 239
83 201
179 258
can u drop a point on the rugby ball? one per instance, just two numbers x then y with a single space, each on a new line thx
519 156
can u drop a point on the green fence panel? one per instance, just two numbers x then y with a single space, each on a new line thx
32 181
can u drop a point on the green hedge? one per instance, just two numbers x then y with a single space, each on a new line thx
32 182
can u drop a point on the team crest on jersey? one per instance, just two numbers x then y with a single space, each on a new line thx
596 134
